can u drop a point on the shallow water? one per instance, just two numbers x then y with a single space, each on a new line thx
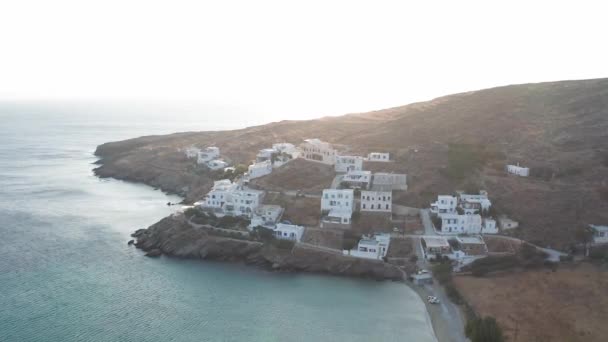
67 274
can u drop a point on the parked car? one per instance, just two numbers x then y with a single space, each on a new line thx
433 300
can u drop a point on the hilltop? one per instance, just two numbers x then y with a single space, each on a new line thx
461 141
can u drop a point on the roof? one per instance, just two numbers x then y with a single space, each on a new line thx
470 240
599 228
436 241
369 242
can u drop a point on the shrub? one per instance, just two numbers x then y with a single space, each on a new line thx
481 267
484 330
443 273
414 258
350 240
453 294
437 222
283 244
262 234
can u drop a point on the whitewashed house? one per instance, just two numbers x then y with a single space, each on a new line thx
471 245
377 201
371 247
260 169
217 164
434 245
383 181
287 148
600 233
474 204
518 170
506 223
265 154
444 204
317 150
227 198
459 224
378 157
488 226
192 152
208 154
337 205
288 232
266 215
357 179
348 163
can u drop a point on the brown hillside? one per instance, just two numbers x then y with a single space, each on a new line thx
560 129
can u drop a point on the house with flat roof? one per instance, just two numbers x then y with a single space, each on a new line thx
434 245
378 157
377 201
383 181
217 164
259 169
471 245
459 224
518 170
371 247
192 152
233 199
444 204
348 163
317 150
208 154
600 233
357 179
286 231
266 215
506 223
337 205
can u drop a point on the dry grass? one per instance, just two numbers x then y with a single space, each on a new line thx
570 304
331 238
498 245
299 174
302 211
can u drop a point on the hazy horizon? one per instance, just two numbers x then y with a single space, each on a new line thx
276 60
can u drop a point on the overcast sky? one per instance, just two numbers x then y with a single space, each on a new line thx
295 59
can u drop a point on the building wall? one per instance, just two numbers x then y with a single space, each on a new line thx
389 181
518 170
337 199
289 232
348 163
377 201
318 151
459 224
377 156
259 169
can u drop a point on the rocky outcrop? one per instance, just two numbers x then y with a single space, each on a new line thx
173 236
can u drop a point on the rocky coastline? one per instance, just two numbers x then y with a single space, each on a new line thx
174 237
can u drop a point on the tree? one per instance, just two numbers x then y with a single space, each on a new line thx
484 330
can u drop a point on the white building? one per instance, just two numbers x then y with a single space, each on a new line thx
338 205
265 154
377 201
348 163
600 233
217 164
317 150
357 179
287 148
378 157
383 181
374 247
444 204
260 169
288 232
227 198
266 215
488 226
506 223
473 203
518 170
192 152
460 224
208 154
433 245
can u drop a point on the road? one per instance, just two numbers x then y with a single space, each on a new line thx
429 229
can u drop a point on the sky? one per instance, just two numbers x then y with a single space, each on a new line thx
292 59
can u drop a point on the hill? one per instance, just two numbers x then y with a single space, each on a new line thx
461 141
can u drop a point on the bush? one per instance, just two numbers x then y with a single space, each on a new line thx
350 240
453 294
283 244
443 273
481 267
414 258
484 330
262 234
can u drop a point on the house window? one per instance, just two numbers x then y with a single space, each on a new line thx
387 207
372 207
363 205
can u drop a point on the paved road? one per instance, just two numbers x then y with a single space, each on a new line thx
427 223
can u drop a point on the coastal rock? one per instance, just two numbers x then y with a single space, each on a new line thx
130 242
173 236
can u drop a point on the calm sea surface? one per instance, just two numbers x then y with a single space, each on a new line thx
67 274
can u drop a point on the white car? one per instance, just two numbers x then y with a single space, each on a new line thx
433 300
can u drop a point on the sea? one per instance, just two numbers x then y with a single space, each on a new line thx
67 273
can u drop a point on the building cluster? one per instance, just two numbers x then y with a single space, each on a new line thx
209 156
268 159
463 214
228 198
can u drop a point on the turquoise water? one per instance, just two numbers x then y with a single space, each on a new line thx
67 274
